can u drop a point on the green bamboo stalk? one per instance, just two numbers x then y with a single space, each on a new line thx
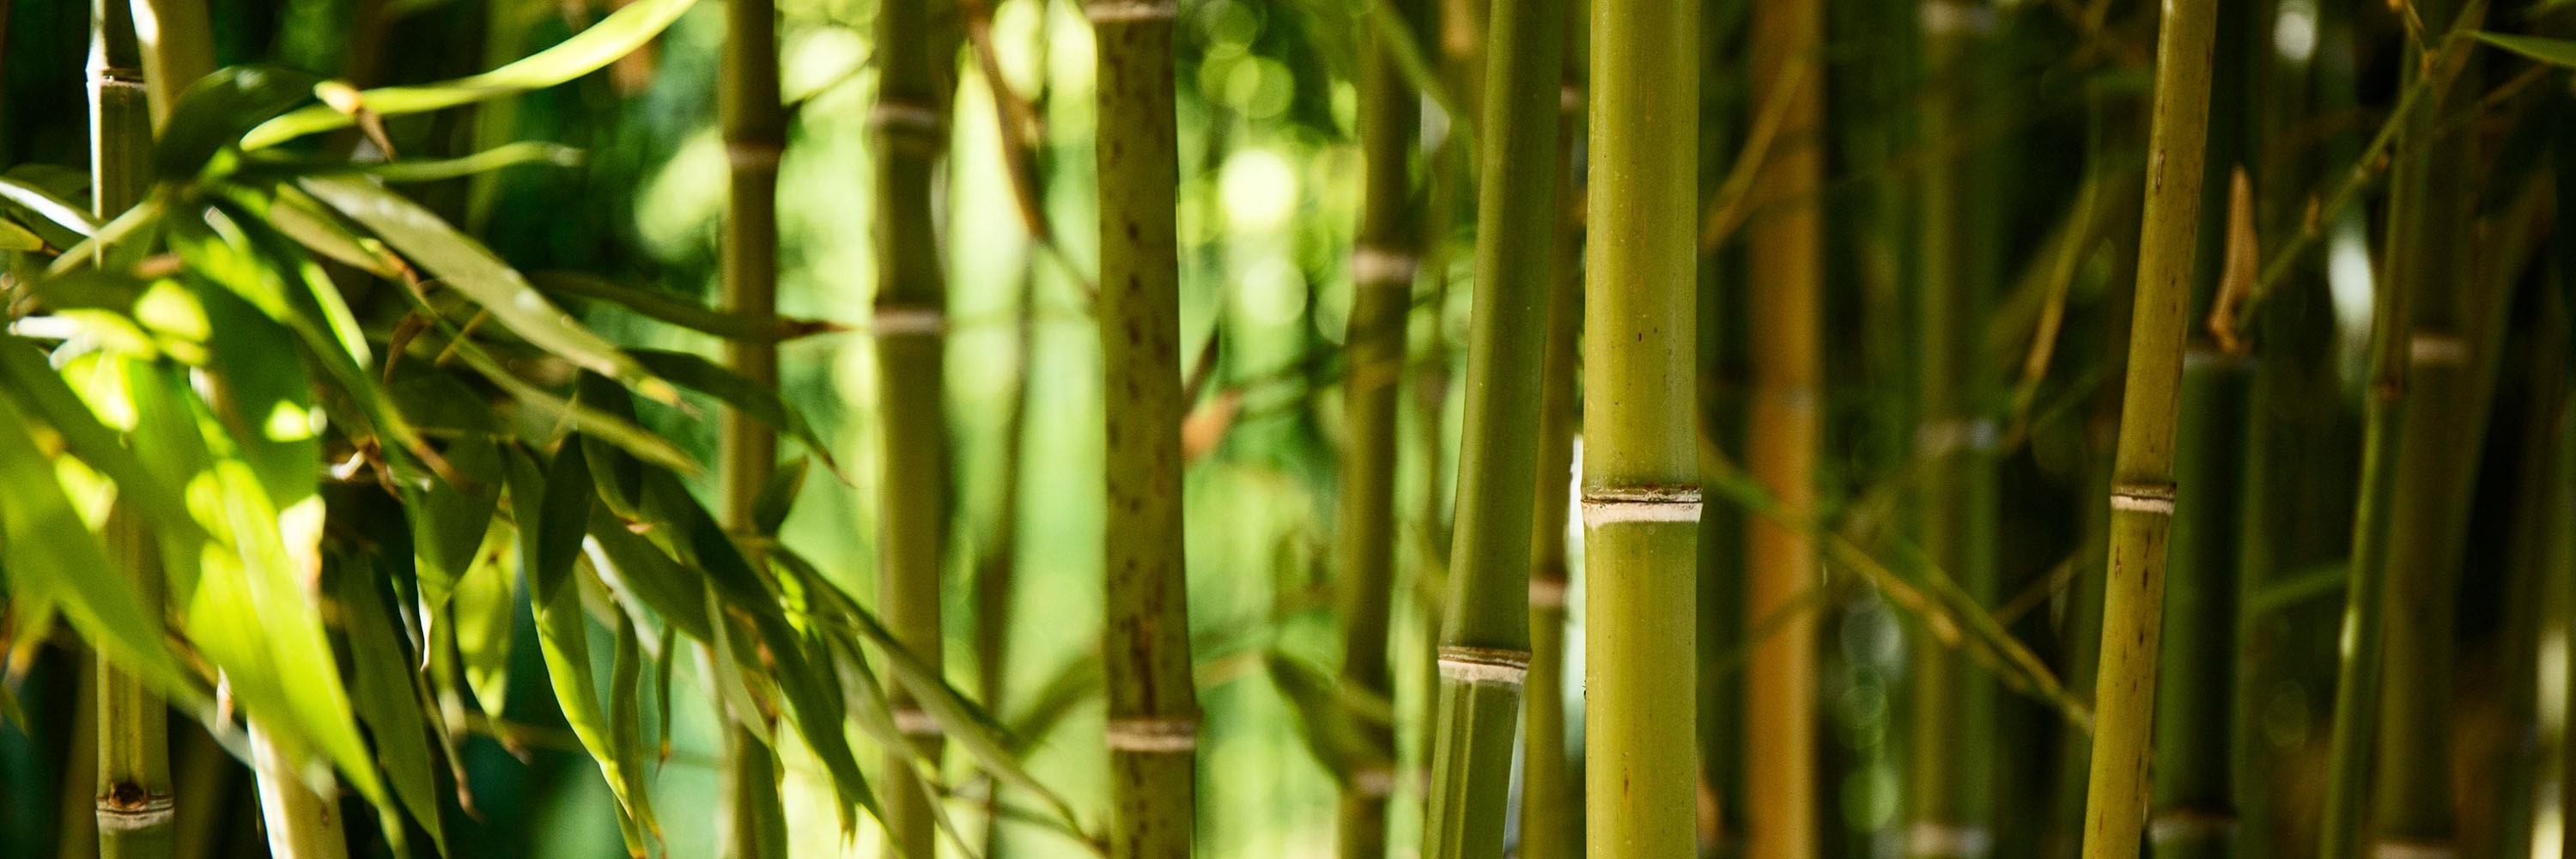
1641 464
178 46
1153 726
1548 829
1957 515
911 122
1382 276
1786 237
135 807
755 136
303 821
2142 487
1484 645
2194 804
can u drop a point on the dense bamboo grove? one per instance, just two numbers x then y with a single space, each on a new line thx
1364 428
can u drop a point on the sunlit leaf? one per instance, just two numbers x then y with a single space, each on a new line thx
466 266
44 204
626 733
485 607
386 699
32 384
615 36
52 556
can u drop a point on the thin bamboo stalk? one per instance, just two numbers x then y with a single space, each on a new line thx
2142 488
303 822
1382 276
178 46
755 134
1641 465
911 123
1153 726
134 801
1484 645
1958 262
1786 236
1548 829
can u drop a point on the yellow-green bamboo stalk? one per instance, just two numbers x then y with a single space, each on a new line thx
1484 645
1548 826
178 47
303 821
1786 285
1153 725
2142 488
1641 499
134 801
752 825
911 121
1382 274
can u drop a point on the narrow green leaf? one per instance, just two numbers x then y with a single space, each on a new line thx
682 312
484 608
614 36
435 169
777 497
626 732
448 520
14 237
386 698
2556 52
306 220
214 112
638 567
465 265
45 205
759 401
52 557
33 385
547 503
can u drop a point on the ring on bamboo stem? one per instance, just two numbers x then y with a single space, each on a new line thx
753 154
1569 98
1939 438
2155 498
1942 17
1928 838
2436 349
1154 736
1611 506
118 78
1547 592
1129 11
2398 848
915 723
1376 266
127 814
2189 824
895 321
894 113
1483 666
1373 781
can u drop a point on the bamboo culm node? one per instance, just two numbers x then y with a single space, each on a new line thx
1154 736
1484 666
2150 498
1926 838
1607 506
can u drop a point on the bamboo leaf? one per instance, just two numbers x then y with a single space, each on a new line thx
386 699
626 732
614 36
759 401
635 566
448 520
213 114
2556 52
437 169
777 497
306 220
53 558
39 391
681 312
484 609
45 205
466 265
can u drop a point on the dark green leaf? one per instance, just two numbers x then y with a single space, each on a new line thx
386 698
759 401
2556 52
218 109
681 312
777 497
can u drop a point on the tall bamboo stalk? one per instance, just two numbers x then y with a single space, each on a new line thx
178 47
2194 811
755 135
134 802
1958 261
1484 645
1153 710
911 123
1547 782
1641 464
1382 275
1786 237
302 823
2142 487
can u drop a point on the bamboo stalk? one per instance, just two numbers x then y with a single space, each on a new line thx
177 41
2142 490
1953 745
755 134
1484 645
134 800
1153 726
1641 465
1786 236
303 821
1382 275
1548 829
911 124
